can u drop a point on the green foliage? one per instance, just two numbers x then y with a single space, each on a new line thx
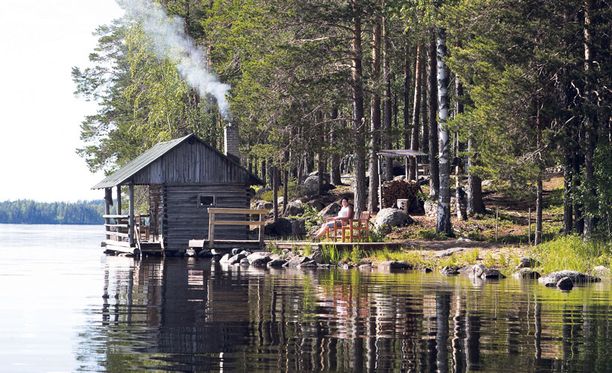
573 253
331 253
431 234
31 212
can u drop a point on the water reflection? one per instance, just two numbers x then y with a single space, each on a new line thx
191 315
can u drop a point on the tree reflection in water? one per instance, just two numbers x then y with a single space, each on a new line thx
191 315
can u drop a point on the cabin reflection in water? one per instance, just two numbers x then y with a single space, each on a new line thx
193 316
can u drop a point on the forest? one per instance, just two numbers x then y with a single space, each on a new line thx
32 212
508 89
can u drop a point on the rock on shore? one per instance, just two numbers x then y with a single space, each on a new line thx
552 279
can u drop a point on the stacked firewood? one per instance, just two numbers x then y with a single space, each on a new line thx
399 189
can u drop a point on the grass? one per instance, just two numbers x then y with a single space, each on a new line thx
571 252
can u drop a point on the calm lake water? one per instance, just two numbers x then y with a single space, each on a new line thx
66 307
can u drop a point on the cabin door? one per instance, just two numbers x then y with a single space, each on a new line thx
155 210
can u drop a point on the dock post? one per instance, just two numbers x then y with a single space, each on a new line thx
118 199
131 216
211 228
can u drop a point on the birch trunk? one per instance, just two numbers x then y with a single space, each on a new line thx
443 223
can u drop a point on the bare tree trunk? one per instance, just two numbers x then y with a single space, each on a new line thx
416 110
568 211
375 119
475 203
460 199
336 176
387 105
274 176
443 223
539 189
358 110
432 108
264 169
407 99
320 155
590 128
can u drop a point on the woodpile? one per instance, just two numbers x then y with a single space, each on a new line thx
399 189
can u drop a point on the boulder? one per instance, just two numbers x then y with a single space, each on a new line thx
601 271
391 217
225 258
330 210
260 262
282 227
298 227
276 263
577 277
263 205
526 262
565 283
236 259
236 251
392 265
294 208
244 262
526 274
259 258
476 270
310 187
295 261
308 264
205 254
365 267
317 256
492 274
450 270
431 208
449 252
316 204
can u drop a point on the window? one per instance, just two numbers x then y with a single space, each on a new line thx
206 200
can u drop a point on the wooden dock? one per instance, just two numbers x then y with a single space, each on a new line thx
365 246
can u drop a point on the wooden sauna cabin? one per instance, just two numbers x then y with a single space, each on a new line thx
178 180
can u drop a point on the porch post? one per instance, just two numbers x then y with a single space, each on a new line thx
131 217
118 199
108 196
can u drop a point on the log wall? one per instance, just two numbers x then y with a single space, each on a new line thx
184 219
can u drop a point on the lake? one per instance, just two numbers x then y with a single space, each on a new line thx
65 307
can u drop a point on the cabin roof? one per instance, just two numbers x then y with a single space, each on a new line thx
400 153
157 151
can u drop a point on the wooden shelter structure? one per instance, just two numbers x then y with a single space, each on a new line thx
182 178
422 168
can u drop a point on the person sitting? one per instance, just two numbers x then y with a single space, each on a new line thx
345 213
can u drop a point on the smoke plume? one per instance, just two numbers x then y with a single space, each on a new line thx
170 41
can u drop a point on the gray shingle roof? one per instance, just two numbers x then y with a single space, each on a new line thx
137 164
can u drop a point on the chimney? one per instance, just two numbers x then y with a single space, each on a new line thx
232 141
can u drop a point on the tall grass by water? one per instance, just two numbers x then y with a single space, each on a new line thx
573 253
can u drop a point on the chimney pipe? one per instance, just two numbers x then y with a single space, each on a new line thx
232 141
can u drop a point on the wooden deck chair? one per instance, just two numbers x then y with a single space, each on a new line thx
336 231
357 229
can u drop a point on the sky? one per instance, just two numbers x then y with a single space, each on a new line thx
40 117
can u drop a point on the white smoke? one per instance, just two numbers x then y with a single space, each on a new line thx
170 41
